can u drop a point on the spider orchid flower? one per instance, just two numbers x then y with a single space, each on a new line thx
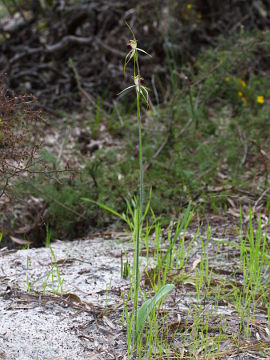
141 89
133 49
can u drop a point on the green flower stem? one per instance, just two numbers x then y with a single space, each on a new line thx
140 210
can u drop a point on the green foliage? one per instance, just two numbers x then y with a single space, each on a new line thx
95 123
67 214
195 162
149 305
237 66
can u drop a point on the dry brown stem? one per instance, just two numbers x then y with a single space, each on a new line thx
18 142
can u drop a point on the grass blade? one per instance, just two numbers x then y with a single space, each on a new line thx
107 208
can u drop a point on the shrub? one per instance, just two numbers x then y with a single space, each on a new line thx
17 136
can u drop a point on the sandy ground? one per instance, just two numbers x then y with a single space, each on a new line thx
67 303
34 325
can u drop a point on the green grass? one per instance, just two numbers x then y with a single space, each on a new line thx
206 327
51 280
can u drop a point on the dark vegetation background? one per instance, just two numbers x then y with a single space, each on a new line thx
206 137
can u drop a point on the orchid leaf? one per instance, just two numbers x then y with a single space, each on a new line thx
151 303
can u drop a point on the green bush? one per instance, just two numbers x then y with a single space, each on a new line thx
219 149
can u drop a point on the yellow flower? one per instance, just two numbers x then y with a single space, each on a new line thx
242 83
189 6
260 99
244 100
240 94
227 78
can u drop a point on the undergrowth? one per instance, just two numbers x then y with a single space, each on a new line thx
220 305
207 144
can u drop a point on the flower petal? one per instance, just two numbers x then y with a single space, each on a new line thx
126 89
144 52
128 58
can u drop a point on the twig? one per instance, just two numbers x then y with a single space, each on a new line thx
244 139
74 212
114 51
80 88
157 153
164 144
259 199
63 43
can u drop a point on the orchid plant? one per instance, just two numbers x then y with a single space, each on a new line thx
140 315
141 91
